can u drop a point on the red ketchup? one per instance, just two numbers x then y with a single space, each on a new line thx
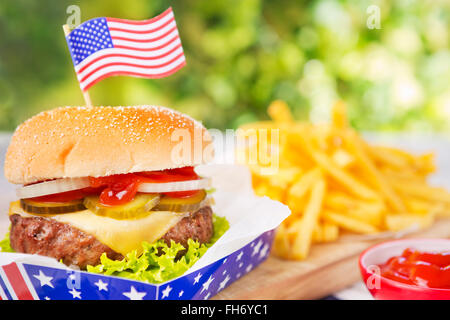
121 188
426 269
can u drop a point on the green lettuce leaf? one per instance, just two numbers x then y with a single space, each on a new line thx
5 245
158 261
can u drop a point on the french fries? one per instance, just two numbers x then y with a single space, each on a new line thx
303 239
334 182
279 111
349 223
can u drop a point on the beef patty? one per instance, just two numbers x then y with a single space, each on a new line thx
47 237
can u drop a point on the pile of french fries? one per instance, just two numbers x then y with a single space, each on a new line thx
335 183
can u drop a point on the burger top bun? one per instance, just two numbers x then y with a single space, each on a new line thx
72 142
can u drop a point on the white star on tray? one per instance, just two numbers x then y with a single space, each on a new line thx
207 296
101 285
263 252
75 293
249 267
197 278
207 283
46 298
43 279
239 256
257 247
180 293
166 292
134 295
223 284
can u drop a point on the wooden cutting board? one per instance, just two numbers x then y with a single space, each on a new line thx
329 268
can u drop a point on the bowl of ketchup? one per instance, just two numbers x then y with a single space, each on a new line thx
407 269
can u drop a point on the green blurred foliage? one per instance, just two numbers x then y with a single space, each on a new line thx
242 54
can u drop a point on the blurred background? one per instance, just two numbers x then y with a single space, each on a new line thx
393 73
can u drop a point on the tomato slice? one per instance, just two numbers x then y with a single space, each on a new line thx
67 196
169 175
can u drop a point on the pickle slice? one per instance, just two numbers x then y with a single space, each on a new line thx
139 207
31 206
181 204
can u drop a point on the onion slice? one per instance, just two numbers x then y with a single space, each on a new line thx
69 184
52 187
188 185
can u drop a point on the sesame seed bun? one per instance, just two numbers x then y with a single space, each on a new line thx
73 142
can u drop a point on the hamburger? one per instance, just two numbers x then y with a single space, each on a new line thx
98 182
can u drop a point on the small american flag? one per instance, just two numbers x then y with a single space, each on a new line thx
104 47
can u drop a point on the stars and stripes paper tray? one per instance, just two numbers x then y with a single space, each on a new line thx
33 280
241 249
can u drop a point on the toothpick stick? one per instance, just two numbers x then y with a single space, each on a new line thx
87 98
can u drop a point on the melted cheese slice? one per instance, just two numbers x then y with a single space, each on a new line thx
122 236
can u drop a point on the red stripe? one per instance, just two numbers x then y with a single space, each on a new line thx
145 40
121 55
17 282
143 31
162 15
147 49
130 65
136 74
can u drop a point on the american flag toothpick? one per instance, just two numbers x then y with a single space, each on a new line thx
104 47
